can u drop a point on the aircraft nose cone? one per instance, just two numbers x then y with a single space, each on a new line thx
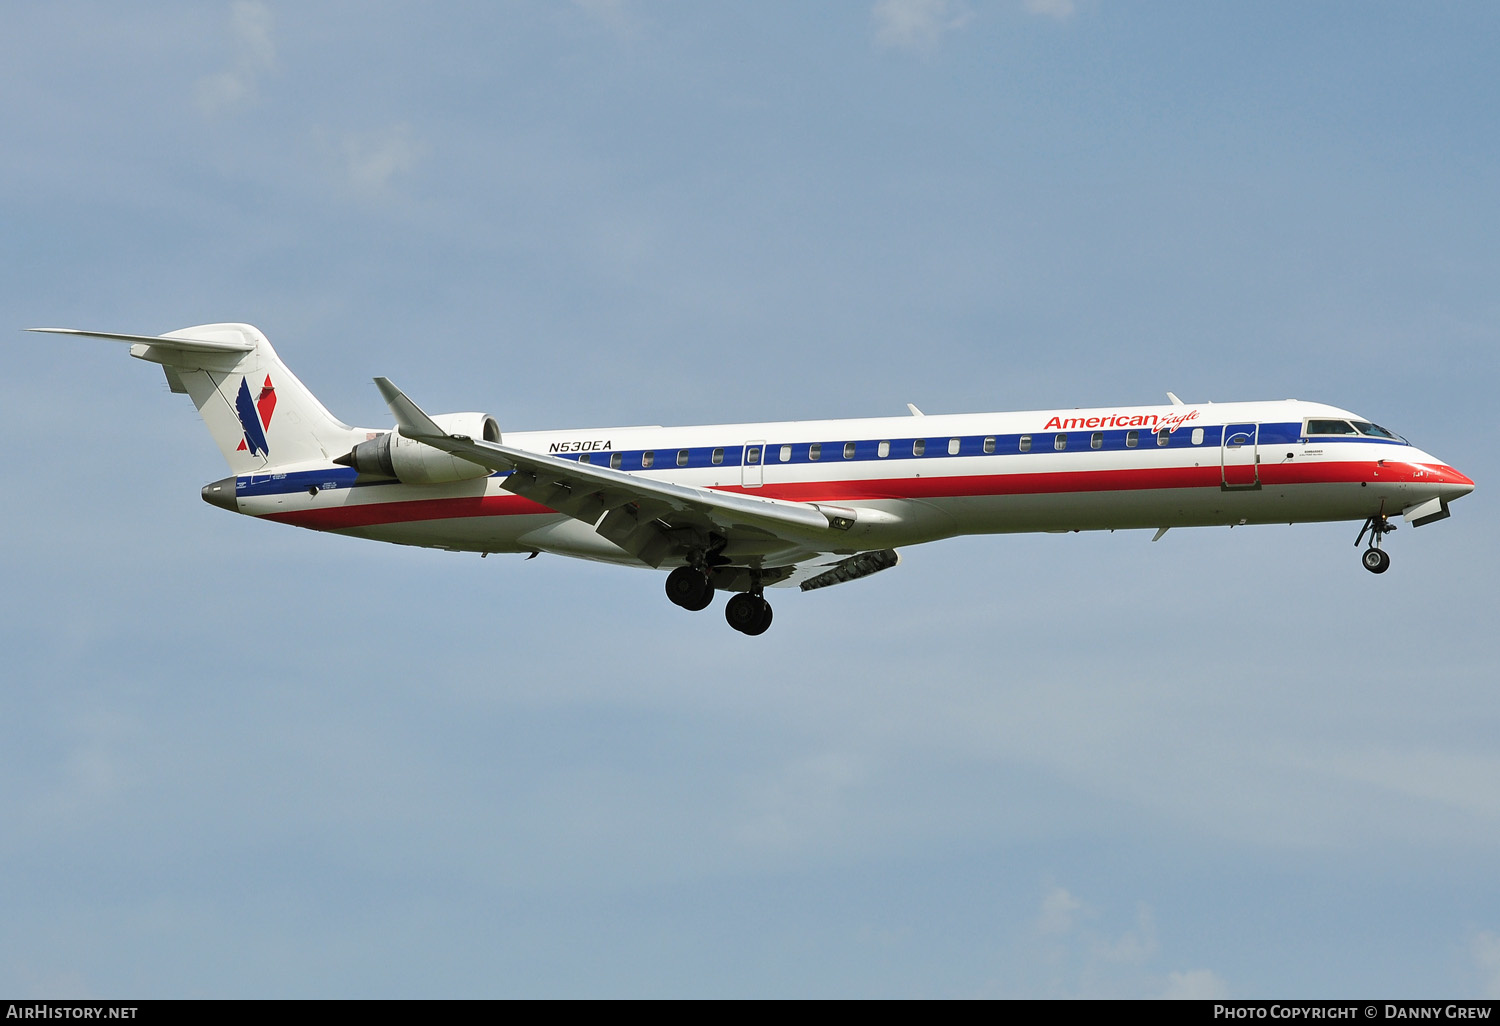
1459 484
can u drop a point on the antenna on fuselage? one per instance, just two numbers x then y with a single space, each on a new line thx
914 411
1175 401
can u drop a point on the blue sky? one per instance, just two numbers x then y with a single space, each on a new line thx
244 760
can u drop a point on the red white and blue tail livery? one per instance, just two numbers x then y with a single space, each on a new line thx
744 507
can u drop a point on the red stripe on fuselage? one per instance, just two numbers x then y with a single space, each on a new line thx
1059 482
371 514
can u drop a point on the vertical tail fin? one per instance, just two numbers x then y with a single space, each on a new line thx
259 414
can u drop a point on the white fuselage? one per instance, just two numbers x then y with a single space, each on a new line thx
912 479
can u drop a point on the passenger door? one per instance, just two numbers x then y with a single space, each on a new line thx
752 473
1240 456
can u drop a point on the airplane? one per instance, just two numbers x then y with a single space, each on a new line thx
740 508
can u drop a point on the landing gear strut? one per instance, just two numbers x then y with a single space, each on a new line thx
1375 560
690 588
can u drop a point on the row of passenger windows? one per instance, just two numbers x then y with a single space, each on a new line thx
919 445
815 450
648 458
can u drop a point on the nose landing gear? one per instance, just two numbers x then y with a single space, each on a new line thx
1375 559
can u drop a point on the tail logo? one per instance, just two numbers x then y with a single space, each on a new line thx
255 416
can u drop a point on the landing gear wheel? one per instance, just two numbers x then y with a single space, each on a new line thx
742 611
748 614
1378 526
765 619
689 588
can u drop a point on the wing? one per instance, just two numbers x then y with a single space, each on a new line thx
646 517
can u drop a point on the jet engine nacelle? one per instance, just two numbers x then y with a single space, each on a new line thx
411 462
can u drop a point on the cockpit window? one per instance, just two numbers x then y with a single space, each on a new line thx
1375 430
1330 427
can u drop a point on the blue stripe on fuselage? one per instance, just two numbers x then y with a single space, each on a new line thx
701 457
299 481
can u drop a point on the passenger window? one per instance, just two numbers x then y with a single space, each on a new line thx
953 447
1132 439
1197 436
717 457
815 451
1025 443
848 450
918 446
883 450
1163 436
786 453
647 458
989 443
682 457
614 461
1060 442
752 454
585 458
1096 440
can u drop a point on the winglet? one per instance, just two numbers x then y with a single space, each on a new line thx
410 419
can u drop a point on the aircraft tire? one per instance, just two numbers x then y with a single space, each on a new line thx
705 598
1376 561
763 622
744 613
689 588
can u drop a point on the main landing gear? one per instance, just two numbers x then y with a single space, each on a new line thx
691 588
1375 559
748 613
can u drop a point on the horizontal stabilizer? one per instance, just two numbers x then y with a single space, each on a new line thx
186 345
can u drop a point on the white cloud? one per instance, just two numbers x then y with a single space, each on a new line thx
254 55
1196 985
1059 911
373 160
1133 947
1078 955
1486 951
1438 777
1059 9
915 25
